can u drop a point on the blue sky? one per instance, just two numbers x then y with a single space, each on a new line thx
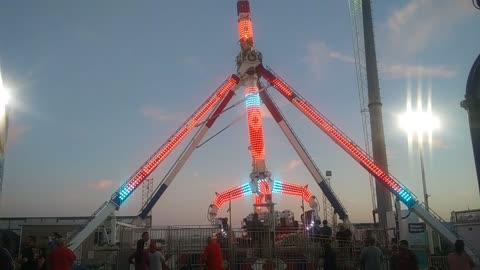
98 86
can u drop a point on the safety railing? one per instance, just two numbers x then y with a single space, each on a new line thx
247 248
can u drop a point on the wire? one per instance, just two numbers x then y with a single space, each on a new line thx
409 212
223 129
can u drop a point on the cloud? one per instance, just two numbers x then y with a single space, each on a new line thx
318 50
399 71
293 164
156 113
317 57
342 57
102 184
412 27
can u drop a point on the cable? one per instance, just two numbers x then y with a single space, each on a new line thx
409 212
223 129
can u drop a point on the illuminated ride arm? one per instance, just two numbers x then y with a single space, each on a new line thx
272 186
147 168
177 166
226 196
392 184
297 190
304 156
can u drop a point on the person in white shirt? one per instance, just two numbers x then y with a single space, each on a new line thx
157 259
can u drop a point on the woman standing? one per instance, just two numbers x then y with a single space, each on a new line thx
140 257
459 259
156 257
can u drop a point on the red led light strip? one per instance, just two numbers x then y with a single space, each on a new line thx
154 160
258 199
352 149
245 28
230 194
255 128
282 87
297 190
347 145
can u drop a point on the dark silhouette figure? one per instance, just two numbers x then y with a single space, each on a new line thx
140 256
330 260
459 259
6 259
371 257
28 255
405 259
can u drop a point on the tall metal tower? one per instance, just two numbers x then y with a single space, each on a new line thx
147 190
366 68
355 8
328 211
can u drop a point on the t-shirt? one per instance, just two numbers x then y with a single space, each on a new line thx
459 261
405 259
214 256
330 260
372 258
141 261
156 260
326 231
61 258
28 255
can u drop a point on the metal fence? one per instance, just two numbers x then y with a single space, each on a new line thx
241 249
246 250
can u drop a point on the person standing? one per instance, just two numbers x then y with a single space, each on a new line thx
42 260
459 259
156 257
326 231
140 257
61 258
371 257
27 258
405 259
330 259
213 255
317 231
6 259
145 237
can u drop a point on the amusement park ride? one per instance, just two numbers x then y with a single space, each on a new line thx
250 70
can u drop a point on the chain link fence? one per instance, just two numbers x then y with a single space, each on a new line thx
246 250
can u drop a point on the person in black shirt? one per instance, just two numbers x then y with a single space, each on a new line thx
6 260
28 257
330 259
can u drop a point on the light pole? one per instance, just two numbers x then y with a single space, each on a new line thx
421 123
424 182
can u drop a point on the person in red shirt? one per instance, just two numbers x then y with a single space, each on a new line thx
61 258
459 259
213 255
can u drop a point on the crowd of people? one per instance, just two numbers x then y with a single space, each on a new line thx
372 257
59 256
403 258
155 259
